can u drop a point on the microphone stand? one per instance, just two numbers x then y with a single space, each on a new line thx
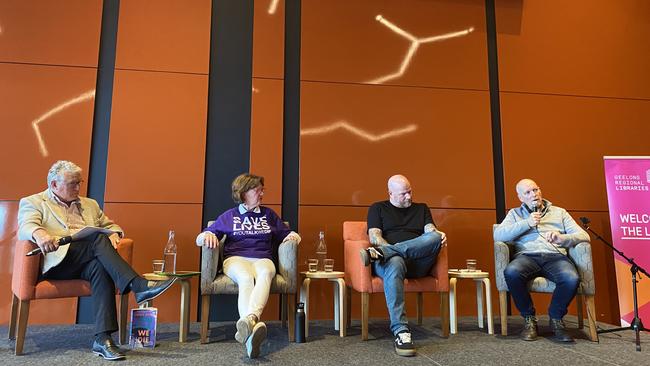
637 324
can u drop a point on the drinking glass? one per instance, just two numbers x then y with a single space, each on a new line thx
471 265
329 265
158 265
313 264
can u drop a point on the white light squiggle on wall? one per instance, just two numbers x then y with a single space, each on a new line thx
415 43
273 6
41 143
344 125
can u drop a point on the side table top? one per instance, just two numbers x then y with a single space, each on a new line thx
323 274
165 276
463 273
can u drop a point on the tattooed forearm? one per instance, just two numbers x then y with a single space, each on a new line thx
375 237
428 228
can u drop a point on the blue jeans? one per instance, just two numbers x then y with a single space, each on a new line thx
408 259
553 266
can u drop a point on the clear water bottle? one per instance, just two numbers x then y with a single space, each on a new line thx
321 251
169 254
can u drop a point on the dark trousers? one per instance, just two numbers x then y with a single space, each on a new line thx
96 261
553 266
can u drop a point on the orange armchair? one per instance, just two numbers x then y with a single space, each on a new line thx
26 287
360 278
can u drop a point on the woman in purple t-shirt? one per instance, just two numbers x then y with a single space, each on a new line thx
248 233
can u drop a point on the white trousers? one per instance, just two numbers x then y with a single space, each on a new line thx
253 276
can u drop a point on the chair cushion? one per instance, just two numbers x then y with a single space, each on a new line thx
223 284
54 289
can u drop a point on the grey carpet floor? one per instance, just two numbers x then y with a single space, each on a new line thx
70 345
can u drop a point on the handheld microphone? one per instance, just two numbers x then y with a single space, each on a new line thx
62 241
585 222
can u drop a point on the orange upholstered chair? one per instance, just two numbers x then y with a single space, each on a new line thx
360 278
26 287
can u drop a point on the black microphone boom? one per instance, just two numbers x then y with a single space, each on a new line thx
62 241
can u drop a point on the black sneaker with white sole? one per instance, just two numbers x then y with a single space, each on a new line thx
403 344
369 255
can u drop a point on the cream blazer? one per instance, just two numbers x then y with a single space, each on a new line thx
40 211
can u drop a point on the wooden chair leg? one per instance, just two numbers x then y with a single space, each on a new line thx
283 310
581 323
13 317
23 315
205 318
444 313
365 307
418 308
503 310
348 309
122 318
591 317
291 312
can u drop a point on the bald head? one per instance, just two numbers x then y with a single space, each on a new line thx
399 191
522 184
529 193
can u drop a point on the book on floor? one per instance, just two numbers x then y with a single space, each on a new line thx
143 328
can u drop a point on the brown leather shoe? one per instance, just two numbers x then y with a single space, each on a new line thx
559 332
529 333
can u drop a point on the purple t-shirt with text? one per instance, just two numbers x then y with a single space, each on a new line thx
249 234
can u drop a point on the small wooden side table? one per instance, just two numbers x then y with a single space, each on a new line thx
482 280
184 278
336 277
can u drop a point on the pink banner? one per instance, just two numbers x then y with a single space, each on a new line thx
628 194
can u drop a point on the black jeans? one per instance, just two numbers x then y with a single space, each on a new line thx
96 261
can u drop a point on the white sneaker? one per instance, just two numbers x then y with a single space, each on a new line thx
244 328
256 339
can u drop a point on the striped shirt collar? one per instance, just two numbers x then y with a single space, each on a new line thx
58 201
243 210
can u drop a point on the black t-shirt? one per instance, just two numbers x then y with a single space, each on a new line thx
399 224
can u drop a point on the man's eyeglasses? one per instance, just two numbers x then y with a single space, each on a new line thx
74 183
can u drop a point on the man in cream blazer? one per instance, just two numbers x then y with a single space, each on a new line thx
42 211
59 211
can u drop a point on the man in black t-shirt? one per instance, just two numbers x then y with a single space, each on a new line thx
405 245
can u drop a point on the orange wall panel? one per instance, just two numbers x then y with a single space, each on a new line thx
268 39
266 136
157 143
148 225
344 41
354 137
574 47
164 35
50 32
573 133
47 115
